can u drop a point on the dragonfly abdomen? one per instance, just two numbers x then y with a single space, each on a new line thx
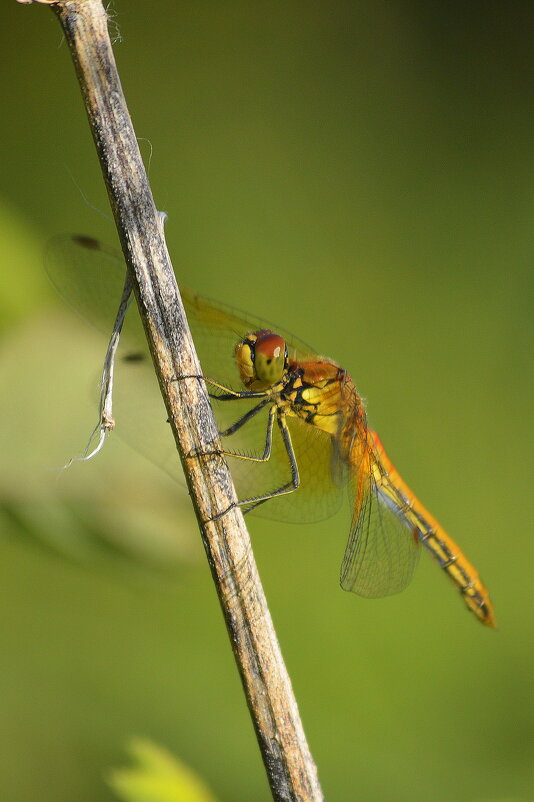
460 571
395 494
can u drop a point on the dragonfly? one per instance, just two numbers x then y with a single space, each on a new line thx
295 423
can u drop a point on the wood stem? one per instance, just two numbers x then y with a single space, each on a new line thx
291 771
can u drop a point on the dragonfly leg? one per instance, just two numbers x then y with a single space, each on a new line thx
228 393
245 419
237 425
288 487
268 439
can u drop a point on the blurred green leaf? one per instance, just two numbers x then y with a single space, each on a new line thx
157 776
93 512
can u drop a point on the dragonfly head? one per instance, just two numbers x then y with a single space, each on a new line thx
261 359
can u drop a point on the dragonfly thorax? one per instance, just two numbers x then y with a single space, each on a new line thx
261 359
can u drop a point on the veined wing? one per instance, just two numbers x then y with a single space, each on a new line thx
383 549
389 524
90 276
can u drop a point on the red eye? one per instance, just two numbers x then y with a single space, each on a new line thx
269 345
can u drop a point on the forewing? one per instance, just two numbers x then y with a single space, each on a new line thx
89 276
217 328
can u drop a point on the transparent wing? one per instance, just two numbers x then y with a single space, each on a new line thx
89 276
321 476
83 283
218 328
383 550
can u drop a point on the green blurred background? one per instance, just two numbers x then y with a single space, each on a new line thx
362 173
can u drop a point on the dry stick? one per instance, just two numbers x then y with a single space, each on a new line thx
290 768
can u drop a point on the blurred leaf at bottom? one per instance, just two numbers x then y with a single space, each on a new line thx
157 776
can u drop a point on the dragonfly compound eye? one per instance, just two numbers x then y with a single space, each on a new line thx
270 356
